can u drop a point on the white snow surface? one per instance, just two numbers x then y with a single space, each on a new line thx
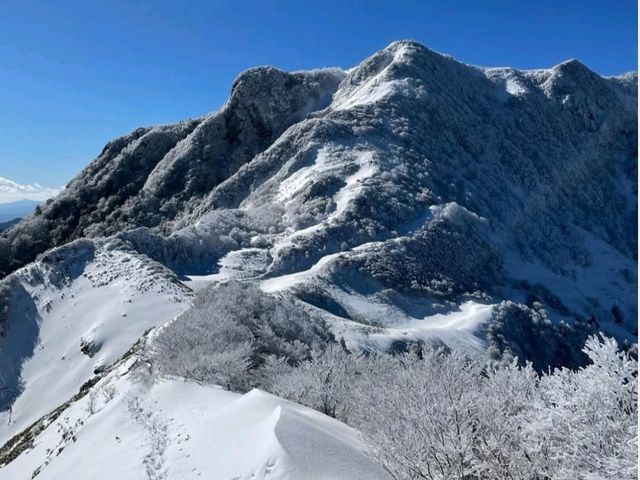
117 298
293 185
380 87
284 282
456 326
132 427
594 287
371 92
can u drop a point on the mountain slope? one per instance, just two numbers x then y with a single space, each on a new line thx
9 223
410 199
71 314
433 178
149 176
126 427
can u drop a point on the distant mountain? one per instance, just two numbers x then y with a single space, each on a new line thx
14 191
19 209
411 200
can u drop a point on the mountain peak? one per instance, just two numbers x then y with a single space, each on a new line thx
573 67
572 82
399 61
256 77
408 51
413 45
259 83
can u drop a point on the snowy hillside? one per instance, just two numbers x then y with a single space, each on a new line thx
520 180
409 201
71 314
172 429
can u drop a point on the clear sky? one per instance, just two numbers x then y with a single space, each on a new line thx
74 74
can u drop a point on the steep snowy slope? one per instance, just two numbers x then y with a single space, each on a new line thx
74 312
130 426
412 179
426 181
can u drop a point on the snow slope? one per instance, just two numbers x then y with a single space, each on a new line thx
519 173
527 168
442 182
131 426
76 311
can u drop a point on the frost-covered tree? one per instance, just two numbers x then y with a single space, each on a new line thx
526 332
584 422
444 416
230 331
326 382
422 418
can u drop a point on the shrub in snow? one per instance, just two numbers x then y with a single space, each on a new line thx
325 382
444 418
230 330
443 258
5 298
585 421
431 415
528 334
197 248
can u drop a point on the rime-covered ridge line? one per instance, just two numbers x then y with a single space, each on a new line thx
411 199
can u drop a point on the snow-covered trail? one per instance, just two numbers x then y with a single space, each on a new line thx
131 426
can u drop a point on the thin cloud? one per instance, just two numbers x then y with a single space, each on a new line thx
11 191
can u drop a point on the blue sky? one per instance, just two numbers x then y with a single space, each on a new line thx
74 74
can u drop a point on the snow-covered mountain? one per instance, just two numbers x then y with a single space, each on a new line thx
409 199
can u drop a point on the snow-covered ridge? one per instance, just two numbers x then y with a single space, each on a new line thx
300 168
129 425
74 313
307 165
155 176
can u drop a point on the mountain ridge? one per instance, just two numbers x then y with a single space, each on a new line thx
413 199
153 142
542 127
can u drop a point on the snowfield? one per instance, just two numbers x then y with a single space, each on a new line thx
132 426
59 333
